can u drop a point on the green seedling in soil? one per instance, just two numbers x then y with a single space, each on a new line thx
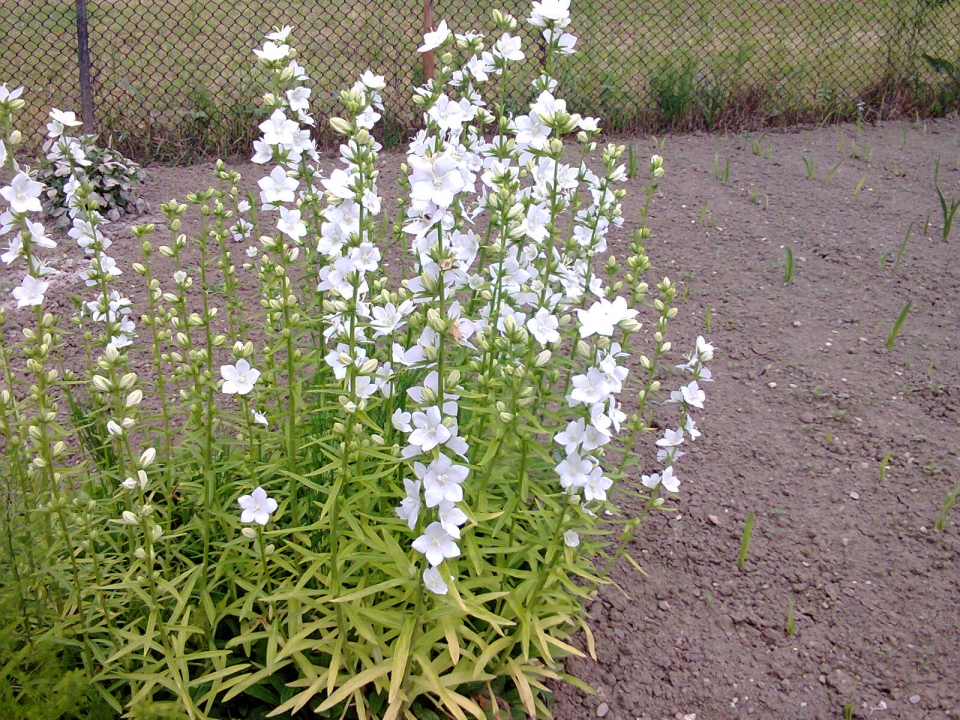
706 318
754 198
791 625
633 164
947 505
811 166
659 144
745 541
883 466
703 213
768 153
856 193
723 175
948 213
756 145
848 711
926 225
828 437
903 247
862 154
936 172
788 268
883 260
903 145
843 142
833 170
895 330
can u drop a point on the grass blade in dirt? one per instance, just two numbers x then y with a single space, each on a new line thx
898 325
902 248
788 267
367 494
948 211
745 541
856 191
831 173
948 504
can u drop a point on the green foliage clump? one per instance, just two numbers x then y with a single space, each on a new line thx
38 680
114 178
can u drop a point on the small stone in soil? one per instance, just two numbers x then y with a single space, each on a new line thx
602 710
713 519
914 699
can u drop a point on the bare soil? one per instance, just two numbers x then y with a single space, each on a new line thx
807 406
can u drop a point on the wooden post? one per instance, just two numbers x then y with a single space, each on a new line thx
427 27
83 58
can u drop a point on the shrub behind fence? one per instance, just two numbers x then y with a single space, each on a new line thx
169 78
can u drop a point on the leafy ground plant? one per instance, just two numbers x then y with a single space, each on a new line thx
114 178
375 497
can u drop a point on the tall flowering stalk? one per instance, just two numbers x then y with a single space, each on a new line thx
376 491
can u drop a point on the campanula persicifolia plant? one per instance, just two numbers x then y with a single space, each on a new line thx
384 492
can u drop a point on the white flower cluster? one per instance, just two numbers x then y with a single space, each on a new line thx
508 298
23 198
532 282
689 397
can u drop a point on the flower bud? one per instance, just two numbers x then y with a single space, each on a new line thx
134 398
130 518
147 457
543 358
127 381
341 126
140 553
249 533
111 353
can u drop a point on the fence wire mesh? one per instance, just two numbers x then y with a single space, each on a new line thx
175 78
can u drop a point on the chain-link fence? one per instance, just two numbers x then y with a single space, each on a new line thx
174 78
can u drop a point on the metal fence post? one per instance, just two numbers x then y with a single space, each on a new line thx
83 59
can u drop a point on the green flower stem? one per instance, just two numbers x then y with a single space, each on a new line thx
153 295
